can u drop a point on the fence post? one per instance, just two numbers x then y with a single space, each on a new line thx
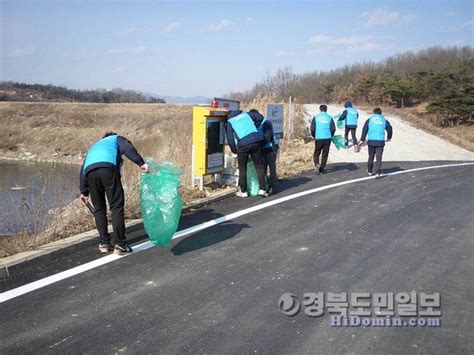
290 119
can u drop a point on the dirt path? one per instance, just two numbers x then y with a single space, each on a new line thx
408 143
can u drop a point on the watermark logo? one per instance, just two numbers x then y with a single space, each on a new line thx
386 309
289 304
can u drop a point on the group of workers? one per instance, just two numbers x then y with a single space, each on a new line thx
248 134
251 134
323 129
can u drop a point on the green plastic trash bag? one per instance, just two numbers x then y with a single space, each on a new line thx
339 124
160 202
339 141
252 179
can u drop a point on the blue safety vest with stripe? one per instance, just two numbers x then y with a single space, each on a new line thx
376 131
351 116
243 125
262 135
323 126
104 150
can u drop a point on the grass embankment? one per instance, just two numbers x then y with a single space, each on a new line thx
461 135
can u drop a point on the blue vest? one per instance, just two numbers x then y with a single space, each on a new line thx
262 135
376 128
323 126
104 150
243 125
351 117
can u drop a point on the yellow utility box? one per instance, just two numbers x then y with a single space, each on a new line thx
208 142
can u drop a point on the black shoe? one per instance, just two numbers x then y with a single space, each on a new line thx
321 171
122 250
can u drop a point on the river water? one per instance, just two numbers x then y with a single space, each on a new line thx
29 193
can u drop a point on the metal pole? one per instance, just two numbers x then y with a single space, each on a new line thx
192 166
289 119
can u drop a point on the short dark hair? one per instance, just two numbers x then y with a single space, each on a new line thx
109 134
323 108
378 111
254 110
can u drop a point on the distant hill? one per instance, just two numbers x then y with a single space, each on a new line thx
13 91
185 100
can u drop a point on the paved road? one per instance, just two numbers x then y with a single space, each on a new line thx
217 291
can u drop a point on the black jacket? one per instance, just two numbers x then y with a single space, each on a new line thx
125 147
251 138
342 117
372 143
313 130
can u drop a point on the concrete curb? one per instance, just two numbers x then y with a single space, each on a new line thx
130 226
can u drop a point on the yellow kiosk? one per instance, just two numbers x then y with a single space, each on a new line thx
208 142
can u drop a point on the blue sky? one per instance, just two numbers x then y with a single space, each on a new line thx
210 48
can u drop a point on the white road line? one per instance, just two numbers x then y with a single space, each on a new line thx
19 291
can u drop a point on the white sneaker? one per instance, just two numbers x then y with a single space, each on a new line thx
263 193
241 194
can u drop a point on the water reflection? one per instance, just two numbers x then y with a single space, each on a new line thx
29 193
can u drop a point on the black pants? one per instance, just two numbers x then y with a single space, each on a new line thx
321 146
243 152
270 164
106 182
353 133
377 153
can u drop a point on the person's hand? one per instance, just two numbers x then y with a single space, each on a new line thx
361 143
84 199
389 140
144 168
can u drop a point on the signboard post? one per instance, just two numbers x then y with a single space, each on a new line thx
275 115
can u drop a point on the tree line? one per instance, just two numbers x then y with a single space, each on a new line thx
441 77
13 91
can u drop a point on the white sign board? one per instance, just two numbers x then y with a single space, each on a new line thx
275 115
215 161
228 104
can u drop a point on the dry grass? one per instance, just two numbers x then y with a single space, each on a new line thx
64 131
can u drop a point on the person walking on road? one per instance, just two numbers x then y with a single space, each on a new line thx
244 140
351 116
374 129
100 177
322 129
269 148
